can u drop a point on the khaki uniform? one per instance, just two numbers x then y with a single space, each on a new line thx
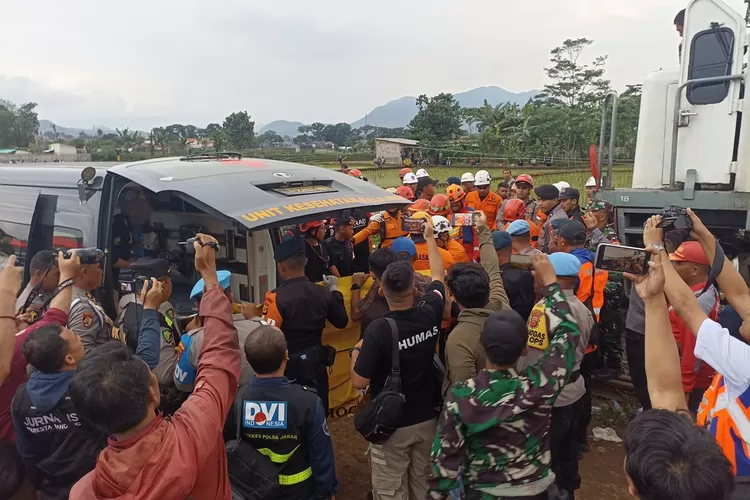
89 321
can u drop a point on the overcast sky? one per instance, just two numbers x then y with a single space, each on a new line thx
147 63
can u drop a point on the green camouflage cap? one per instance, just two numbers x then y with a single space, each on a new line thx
597 205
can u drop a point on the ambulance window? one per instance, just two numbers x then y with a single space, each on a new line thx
67 238
14 239
711 55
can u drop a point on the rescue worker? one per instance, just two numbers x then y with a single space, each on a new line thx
87 318
515 210
520 231
355 172
503 189
597 221
316 251
422 259
524 184
591 190
492 438
442 229
405 192
386 225
550 207
300 309
403 172
567 408
45 276
131 312
340 247
569 202
191 344
285 422
410 180
483 199
467 182
422 173
425 187
453 181
466 235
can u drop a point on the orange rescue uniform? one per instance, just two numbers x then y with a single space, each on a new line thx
423 261
457 251
490 205
389 230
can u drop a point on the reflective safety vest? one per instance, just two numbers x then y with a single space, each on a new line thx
275 421
591 280
389 230
729 421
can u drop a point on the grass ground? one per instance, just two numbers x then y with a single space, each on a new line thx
576 177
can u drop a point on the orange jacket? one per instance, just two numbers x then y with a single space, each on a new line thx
592 281
457 251
490 206
182 456
716 414
423 261
389 230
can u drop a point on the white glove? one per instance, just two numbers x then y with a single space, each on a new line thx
378 217
331 282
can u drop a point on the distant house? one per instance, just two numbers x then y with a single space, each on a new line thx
13 155
391 149
193 143
61 150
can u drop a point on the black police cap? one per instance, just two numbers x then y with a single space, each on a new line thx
570 193
547 192
289 248
573 232
151 267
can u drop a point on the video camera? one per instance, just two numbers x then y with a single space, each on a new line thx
675 218
87 255
134 285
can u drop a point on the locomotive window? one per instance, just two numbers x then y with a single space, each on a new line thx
711 55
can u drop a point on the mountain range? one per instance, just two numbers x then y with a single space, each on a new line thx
399 112
46 126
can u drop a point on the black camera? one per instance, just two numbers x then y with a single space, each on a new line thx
133 286
190 248
675 218
87 255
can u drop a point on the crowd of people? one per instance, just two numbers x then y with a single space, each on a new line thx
482 327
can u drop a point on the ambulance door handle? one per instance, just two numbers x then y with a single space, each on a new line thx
685 117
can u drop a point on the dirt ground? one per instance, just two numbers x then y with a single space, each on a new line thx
601 469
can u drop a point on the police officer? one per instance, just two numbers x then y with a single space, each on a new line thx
300 309
44 278
87 318
191 343
285 422
131 312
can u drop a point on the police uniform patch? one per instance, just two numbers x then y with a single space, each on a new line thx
537 326
170 314
325 428
265 310
33 316
88 319
264 414
167 334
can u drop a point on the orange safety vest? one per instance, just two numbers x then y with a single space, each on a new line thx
457 251
490 205
389 230
590 281
423 261
729 422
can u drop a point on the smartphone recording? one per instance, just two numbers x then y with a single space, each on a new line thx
622 259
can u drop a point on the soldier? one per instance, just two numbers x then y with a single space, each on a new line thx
591 190
44 278
596 219
495 426
87 318
131 313
191 343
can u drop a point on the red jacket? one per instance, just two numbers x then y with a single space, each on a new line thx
182 456
17 375
696 374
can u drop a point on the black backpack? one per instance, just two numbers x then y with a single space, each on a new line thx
379 418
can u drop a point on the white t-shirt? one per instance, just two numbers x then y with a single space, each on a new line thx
726 354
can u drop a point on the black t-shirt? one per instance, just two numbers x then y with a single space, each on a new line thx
377 309
342 255
362 250
418 332
122 241
318 261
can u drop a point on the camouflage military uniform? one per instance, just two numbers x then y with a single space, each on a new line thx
493 434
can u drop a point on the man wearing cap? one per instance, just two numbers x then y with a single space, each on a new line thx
550 206
484 199
492 439
191 344
596 219
87 318
131 312
520 232
568 407
300 309
518 283
591 190
425 188
453 181
316 250
569 197
467 182
340 247
691 264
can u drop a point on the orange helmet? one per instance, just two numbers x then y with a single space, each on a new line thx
405 192
515 209
525 178
455 193
421 205
355 173
306 226
440 205
403 172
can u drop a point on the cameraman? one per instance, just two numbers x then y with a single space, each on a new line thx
87 318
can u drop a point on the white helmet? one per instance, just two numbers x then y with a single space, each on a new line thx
561 185
591 182
467 177
391 190
483 178
421 173
440 225
410 178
